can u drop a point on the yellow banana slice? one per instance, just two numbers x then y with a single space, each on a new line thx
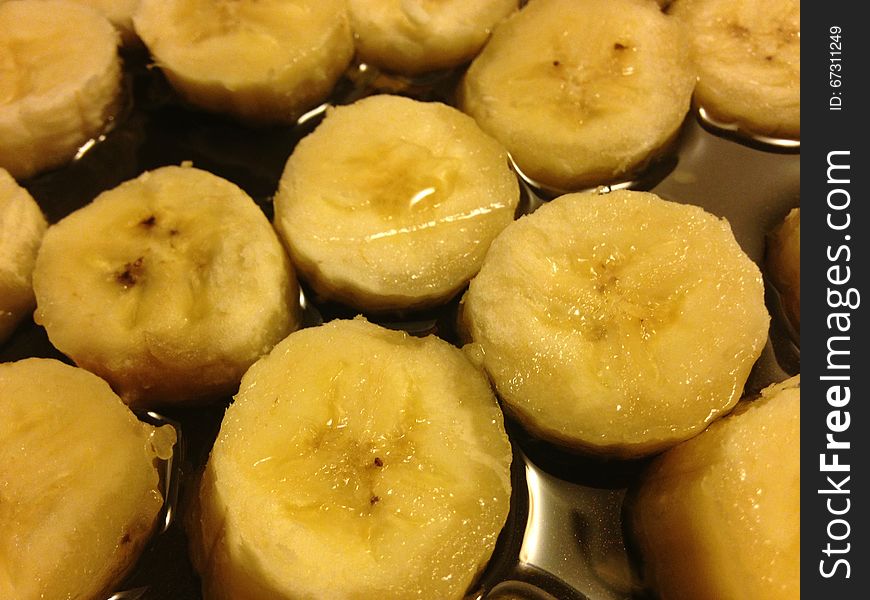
784 263
403 210
355 462
79 488
416 36
264 61
748 58
719 515
582 92
60 82
618 324
178 286
22 226
119 13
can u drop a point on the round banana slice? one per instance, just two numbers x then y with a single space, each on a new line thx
416 36
56 91
177 287
719 516
619 324
404 209
748 58
582 92
784 263
79 487
265 61
355 462
22 226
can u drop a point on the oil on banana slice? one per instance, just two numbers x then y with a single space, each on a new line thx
22 226
264 61
719 515
416 36
748 58
56 90
179 286
402 213
355 462
783 263
79 487
618 324
582 92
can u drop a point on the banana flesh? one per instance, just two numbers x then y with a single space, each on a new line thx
79 488
783 263
180 285
264 61
619 324
582 92
404 210
22 226
748 58
355 462
56 90
416 36
719 515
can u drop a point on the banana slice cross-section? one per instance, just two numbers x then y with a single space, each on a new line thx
416 36
401 213
582 92
783 262
748 58
355 462
22 226
263 61
618 324
79 487
178 285
719 515
60 82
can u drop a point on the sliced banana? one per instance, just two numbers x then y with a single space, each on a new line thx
22 226
259 60
178 287
402 213
582 92
784 263
79 487
416 36
56 91
355 462
748 58
618 324
719 516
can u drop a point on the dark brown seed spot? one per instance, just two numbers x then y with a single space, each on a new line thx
556 63
379 462
173 232
618 46
374 500
768 58
125 539
131 273
149 222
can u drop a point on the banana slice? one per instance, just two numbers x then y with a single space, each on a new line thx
402 213
178 287
264 61
355 462
416 36
784 263
79 488
56 92
22 226
748 59
719 516
618 324
582 92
